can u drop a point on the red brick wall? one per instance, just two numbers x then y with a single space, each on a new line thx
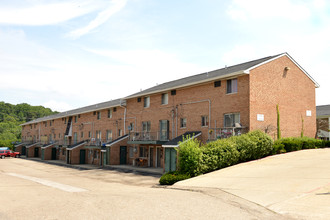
293 91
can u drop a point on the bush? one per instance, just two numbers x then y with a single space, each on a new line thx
172 177
278 148
264 144
219 154
245 146
190 157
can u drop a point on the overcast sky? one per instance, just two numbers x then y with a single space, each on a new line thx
72 53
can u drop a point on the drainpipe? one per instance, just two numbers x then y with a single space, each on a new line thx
176 124
124 117
172 111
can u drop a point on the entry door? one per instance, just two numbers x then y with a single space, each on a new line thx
82 156
53 153
170 159
151 156
42 154
67 156
23 150
158 157
36 152
123 155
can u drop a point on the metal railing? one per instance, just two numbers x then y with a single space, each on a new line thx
219 133
148 136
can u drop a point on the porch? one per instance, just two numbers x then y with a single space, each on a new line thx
220 133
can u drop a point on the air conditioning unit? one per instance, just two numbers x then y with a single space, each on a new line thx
93 139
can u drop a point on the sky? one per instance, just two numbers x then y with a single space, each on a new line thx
66 54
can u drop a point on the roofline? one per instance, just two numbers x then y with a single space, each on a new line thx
279 56
120 139
79 145
173 146
238 73
49 145
52 118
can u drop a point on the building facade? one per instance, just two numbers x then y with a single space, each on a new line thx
323 122
144 128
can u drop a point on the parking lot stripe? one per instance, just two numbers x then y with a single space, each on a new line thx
56 185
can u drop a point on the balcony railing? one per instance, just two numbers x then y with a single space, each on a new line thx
219 133
148 136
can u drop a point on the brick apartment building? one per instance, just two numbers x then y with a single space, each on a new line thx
144 128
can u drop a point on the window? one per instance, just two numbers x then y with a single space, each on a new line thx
131 151
143 152
59 135
231 120
232 86
120 132
146 126
110 113
35 125
82 134
164 99
54 136
146 102
98 115
205 121
75 119
183 122
109 135
98 135
139 99
50 123
44 123
89 134
64 120
131 126
173 92
217 83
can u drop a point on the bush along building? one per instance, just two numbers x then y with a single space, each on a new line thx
273 94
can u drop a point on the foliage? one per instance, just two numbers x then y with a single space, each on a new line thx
190 157
11 116
278 123
302 127
294 143
172 177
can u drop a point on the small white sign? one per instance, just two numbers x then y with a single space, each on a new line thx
260 117
308 113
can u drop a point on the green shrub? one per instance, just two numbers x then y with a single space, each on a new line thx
245 146
278 148
264 144
190 157
295 143
172 177
219 154
326 144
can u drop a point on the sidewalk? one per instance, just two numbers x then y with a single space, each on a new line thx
295 184
148 171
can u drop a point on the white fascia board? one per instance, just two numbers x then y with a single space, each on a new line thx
227 76
174 146
109 145
32 145
76 146
47 146
281 55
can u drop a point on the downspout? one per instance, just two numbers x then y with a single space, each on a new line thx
124 117
172 111
176 124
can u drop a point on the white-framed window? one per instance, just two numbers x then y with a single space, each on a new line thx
143 151
109 135
231 86
75 119
131 151
231 120
146 102
164 99
89 134
109 113
98 115
146 126
120 132
98 135
183 122
205 121
131 126
82 134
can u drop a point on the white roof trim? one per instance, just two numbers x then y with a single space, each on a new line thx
109 145
174 146
281 55
79 145
188 84
49 145
31 145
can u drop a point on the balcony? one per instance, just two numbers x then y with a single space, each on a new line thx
147 137
220 133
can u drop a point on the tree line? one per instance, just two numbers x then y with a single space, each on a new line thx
12 116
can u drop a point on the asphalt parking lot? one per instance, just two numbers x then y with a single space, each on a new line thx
35 190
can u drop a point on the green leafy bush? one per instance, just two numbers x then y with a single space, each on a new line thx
219 154
190 157
278 148
172 177
264 144
295 144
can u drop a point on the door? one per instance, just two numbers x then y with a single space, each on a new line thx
67 156
164 130
158 156
42 154
123 155
170 159
82 156
104 154
36 152
53 153
23 150
151 156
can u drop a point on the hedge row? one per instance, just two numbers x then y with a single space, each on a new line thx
172 177
293 144
195 159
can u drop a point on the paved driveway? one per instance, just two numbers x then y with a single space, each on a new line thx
34 190
295 184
